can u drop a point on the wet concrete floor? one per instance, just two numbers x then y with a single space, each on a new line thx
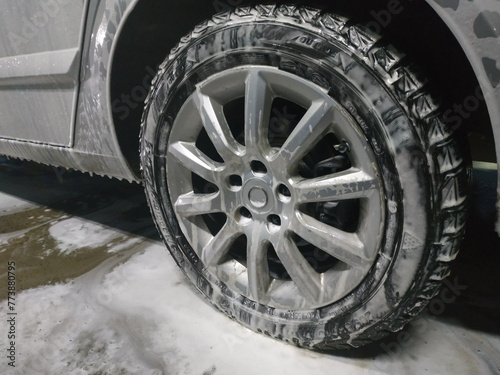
64 229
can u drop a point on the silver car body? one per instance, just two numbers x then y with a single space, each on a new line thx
56 58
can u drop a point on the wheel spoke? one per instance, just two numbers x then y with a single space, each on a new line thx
301 272
311 128
258 101
349 184
193 159
257 266
346 247
220 244
191 204
215 124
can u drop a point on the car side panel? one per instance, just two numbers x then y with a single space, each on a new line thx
95 148
39 66
476 25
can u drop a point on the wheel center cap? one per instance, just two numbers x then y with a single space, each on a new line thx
258 197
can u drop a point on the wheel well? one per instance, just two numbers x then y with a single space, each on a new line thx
155 26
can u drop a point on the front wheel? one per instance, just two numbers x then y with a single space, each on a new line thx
301 176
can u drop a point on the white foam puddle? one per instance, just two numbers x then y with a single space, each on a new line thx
142 317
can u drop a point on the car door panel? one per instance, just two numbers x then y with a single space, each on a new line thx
39 68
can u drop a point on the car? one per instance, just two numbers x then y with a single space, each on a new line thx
307 166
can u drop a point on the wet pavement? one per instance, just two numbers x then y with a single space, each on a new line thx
97 293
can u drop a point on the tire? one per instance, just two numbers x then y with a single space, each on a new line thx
301 175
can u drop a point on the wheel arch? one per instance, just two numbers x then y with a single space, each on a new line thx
153 27
145 37
479 41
